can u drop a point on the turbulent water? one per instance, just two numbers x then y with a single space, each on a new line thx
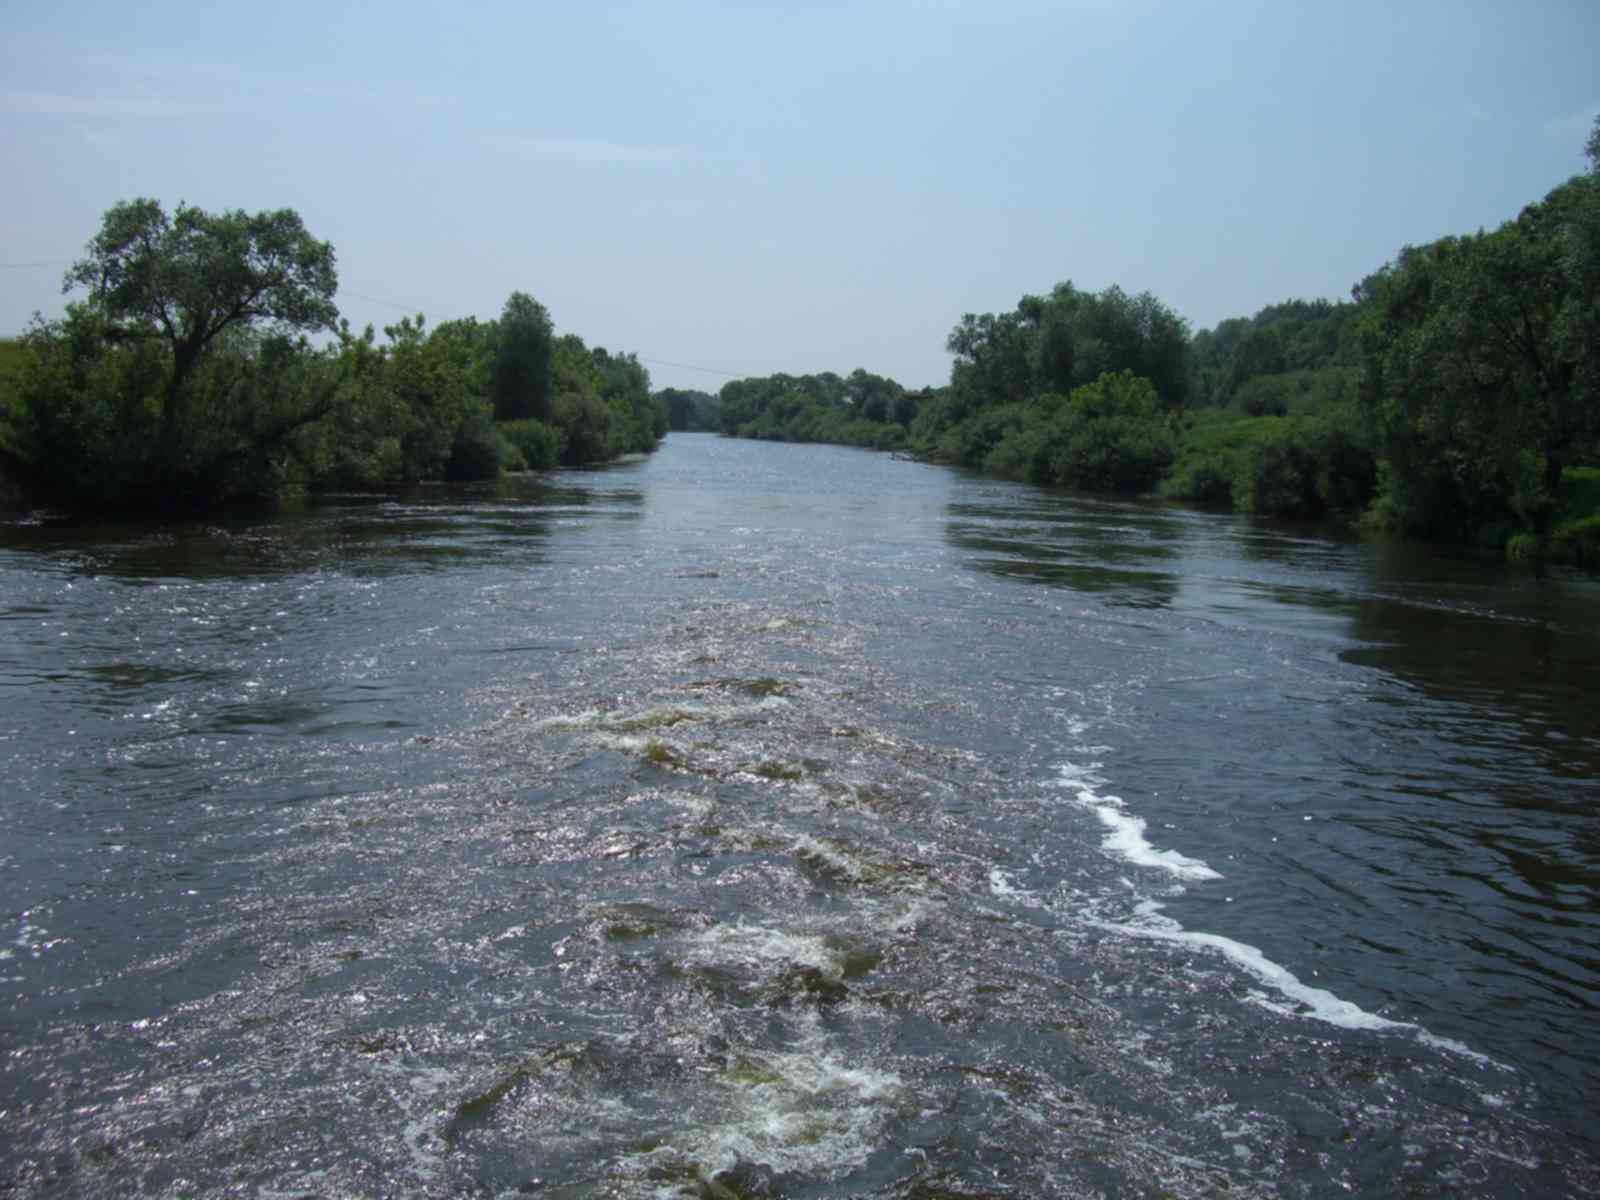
790 821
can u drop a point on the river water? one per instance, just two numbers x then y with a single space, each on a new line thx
789 821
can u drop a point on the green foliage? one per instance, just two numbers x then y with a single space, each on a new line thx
186 279
99 427
689 410
1290 466
537 446
1062 341
1522 547
638 420
1577 542
603 407
971 442
1579 492
1011 370
520 377
1482 359
858 411
873 398
179 380
475 451
1285 342
1576 536
1112 435
429 397
357 443
13 359
585 422
184 378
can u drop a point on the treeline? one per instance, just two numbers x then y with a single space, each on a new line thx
690 411
1456 396
860 409
186 377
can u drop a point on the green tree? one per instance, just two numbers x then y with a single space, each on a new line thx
521 378
183 377
872 397
688 409
1481 368
187 280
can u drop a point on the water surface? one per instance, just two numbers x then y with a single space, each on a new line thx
769 820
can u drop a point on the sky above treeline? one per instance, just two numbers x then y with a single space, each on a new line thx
742 189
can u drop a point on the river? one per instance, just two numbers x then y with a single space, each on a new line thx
761 820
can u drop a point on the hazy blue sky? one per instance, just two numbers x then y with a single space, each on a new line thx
749 188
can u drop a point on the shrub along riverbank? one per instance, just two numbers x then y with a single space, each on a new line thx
184 377
1455 397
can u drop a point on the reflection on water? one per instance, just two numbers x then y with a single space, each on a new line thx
790 820
433 528
1114 552
1403 743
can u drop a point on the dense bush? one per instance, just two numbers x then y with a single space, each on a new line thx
536 445
1111 435
1273 465
1577 542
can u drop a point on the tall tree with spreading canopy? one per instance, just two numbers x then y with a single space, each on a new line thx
183 374
187 279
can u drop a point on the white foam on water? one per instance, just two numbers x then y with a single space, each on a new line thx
764 948
1002 885
1296 999
1125 836
419 1133
656 716
898 915
805 1111
1126 839
695 804
626 743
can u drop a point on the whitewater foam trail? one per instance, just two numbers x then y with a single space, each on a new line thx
1125 839
1304 1000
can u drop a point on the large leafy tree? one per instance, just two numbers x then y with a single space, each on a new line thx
182 376
187 279
1062 341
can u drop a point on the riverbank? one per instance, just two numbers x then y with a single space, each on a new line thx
1304 467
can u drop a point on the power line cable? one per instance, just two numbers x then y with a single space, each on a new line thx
405 308
662 362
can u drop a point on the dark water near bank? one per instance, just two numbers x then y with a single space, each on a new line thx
791 821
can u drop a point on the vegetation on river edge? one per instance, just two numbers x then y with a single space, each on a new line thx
1456 396
186 378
